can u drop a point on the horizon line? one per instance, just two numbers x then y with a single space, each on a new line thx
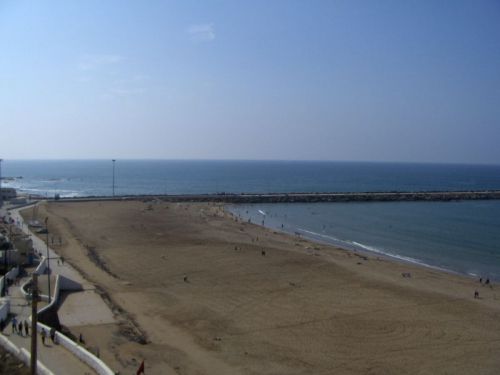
257 160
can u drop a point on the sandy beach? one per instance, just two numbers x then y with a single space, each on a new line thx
196 292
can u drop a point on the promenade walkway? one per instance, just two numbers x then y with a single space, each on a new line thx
55 357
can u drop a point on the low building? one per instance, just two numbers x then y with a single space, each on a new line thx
8 193
18 200
10 258
24 246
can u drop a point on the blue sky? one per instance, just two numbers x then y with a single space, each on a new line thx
318 80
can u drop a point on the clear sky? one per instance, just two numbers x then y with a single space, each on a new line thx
319 80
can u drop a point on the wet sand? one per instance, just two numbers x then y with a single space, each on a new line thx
194 294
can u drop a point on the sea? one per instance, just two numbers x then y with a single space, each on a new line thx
461 237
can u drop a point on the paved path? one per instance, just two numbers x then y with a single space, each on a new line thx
56 265
79 308
55 357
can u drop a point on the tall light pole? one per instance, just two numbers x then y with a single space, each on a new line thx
34 319
1 195
3 292
113 176
5 268
48 257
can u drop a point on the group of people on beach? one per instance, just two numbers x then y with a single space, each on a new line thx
23 326
17 327
486 282
52 333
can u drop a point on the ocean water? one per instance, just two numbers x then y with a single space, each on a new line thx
71 178
463 237
459 236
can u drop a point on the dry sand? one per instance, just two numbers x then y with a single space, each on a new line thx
302 308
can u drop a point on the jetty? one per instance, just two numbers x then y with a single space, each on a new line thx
307 197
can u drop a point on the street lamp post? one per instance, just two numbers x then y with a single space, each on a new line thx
1 195
5 267
48 257
113 176
5 251
6 264
34 319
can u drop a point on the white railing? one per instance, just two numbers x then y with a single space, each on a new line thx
23 355
55 296
40 269
12 274
80 352
5 302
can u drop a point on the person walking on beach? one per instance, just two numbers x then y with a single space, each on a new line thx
20 328
43 334
26 328
53 335
14 325
476 294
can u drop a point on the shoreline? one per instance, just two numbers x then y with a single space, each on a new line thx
351 244
314 236
358 248
361 249
242 311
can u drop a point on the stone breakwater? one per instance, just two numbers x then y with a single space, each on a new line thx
309 197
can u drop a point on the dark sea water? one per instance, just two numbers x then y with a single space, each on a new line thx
94 177
460 236
463 237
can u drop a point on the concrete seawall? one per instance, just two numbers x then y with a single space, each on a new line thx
308 197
